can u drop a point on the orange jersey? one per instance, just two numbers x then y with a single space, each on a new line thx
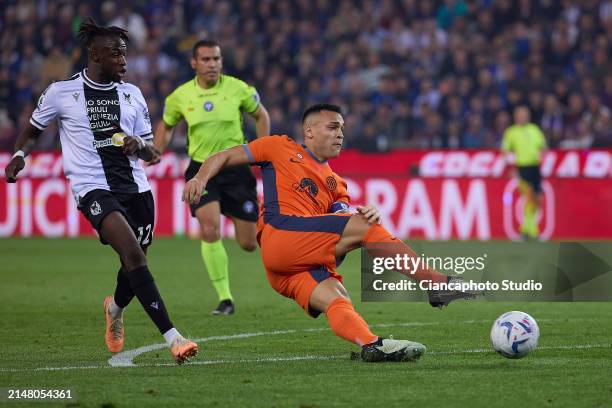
295 181
297 227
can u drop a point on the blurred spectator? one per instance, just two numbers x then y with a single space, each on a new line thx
581 137
55 67
8 132
420 74
127 19
552 120
475 134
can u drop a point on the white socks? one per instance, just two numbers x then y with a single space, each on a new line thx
170 335
114 310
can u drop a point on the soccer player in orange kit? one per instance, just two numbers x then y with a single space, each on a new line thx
305 227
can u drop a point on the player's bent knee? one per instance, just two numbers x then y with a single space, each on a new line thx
326 292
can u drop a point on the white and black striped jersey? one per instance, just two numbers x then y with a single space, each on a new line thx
93 119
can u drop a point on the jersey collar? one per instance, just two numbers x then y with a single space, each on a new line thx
202 90
312 155
95 85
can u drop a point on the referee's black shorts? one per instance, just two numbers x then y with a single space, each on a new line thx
235 188
531 175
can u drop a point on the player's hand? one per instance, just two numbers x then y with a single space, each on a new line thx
131 145
193 191
13 168
154 156
370 212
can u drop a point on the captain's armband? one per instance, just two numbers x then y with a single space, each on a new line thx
339 207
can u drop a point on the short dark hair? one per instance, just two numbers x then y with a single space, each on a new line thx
89 31
203 43
320 107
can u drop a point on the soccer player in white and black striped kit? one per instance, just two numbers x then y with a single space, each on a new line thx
104 129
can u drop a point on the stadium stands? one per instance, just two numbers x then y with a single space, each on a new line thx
437 74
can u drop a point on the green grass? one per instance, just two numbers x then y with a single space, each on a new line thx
51 316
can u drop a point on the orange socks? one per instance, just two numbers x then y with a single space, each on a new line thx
378 234
345 322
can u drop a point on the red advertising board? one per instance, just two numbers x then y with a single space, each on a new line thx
435 195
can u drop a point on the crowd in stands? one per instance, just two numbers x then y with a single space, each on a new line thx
408 73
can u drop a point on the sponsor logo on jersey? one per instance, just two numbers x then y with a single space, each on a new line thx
309 186
298 160
115 140
95 208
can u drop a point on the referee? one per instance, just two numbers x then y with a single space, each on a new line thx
526 142
212 105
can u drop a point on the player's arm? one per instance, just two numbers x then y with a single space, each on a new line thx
262 121
46 111
23 146
234 156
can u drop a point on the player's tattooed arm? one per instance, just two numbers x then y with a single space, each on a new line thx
23 146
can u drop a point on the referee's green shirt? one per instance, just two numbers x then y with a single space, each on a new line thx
213 115
526 142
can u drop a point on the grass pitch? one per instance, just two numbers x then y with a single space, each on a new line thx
269 353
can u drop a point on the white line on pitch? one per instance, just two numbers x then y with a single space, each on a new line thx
126 358
292 358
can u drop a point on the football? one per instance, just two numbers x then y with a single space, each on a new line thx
514 334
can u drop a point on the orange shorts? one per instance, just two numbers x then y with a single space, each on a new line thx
300 252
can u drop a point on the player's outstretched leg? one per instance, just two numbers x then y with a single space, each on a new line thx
116 231
380 243
331 297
